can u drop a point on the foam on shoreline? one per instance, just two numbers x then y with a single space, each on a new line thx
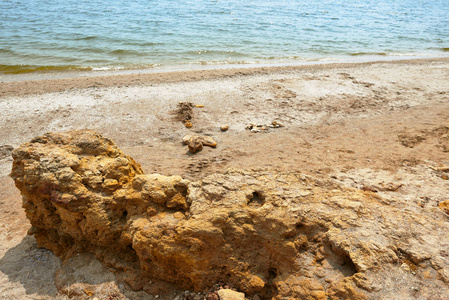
26 73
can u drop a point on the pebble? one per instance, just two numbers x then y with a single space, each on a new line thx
195 144
185 139
228 294
258 127
224 127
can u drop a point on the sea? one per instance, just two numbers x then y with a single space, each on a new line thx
93 35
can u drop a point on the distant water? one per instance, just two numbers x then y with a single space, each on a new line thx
53 35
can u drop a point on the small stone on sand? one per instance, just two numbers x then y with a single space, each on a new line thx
195 144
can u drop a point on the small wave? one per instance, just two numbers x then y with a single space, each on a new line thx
229 53
141 44
368 53
21 69
86 38
7 51
124 52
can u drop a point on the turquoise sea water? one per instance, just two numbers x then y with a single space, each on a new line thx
100 34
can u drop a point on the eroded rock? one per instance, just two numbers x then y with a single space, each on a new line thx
280 236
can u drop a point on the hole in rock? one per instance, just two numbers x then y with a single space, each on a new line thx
256 198
342 261
124 214
269 290
348 267
299 225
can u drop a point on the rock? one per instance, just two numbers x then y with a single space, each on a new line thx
227 294
186 138
276 124
278 235
224 127
208 141
188 124
196 142
444 206
212 296
250 126
262 127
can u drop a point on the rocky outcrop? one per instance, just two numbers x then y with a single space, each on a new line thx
281 236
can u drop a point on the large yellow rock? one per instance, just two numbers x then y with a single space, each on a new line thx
280 236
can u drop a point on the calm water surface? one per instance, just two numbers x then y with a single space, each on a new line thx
100 34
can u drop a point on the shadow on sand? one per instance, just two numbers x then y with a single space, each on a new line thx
33 268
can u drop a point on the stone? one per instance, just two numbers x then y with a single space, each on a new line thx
212 296
196 142
444 206
208 141
186 138
224 127
277 235
228 294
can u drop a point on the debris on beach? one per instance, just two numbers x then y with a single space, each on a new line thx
184 112
199 105
262 127
224 127
196 142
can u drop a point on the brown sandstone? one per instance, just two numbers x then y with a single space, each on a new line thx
277 235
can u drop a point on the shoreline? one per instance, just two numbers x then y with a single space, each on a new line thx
21 85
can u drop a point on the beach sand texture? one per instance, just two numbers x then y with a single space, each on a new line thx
364 126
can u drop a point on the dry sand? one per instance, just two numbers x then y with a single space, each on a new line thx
380 126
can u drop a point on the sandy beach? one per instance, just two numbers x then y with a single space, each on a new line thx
361 125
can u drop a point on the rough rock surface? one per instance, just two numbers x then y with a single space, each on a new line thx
277 235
